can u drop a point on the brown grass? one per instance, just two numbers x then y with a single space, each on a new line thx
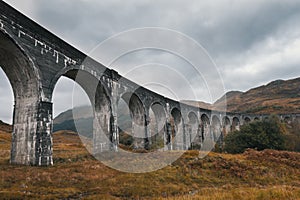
76 174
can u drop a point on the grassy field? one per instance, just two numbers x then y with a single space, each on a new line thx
76 175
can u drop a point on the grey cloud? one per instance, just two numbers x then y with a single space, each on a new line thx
166 69
238 35
6 98
237 26
226 29
68 94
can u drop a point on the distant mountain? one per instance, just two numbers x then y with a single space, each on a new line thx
82 112
83 123
229 96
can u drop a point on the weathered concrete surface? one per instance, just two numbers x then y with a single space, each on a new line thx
34 59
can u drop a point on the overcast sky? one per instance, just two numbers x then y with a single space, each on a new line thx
251 42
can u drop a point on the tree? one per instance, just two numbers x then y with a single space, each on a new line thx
266 134
293 136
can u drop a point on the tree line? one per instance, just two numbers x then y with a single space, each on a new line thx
269 133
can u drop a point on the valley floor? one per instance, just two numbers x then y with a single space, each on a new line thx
77 175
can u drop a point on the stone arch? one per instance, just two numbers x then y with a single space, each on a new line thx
247 120
19 69
104 138
194 137
63 100
157 125
205 126
235 124
25 82
138 116
226 125
176 139
265 118
216 129
124 118
287 120
256 118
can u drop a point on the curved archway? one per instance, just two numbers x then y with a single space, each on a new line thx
138 126
104 137
124 124
24 80
205 126
72 119
226 125
265 118
194 136
19 69
156 126
247 120
69 101
216 131
177 140
235 124
287 120
256 118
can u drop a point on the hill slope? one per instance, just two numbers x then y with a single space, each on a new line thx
82 124
76 174
276 97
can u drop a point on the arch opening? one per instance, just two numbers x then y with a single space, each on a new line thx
137 134
216 132
266 118
287 120
65 103
176 138
124 125
235 124
194 136
68 131
226 125
92 119
157 126
247 120
205 126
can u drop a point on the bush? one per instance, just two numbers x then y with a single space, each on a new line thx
260 135
125 139
293 136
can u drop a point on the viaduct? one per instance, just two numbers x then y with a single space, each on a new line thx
34 59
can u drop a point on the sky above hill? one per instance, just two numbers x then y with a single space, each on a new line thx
251 42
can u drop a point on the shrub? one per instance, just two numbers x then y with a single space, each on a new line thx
293 136
260 135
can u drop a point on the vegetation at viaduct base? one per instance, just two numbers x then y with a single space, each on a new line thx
269 133
267 174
